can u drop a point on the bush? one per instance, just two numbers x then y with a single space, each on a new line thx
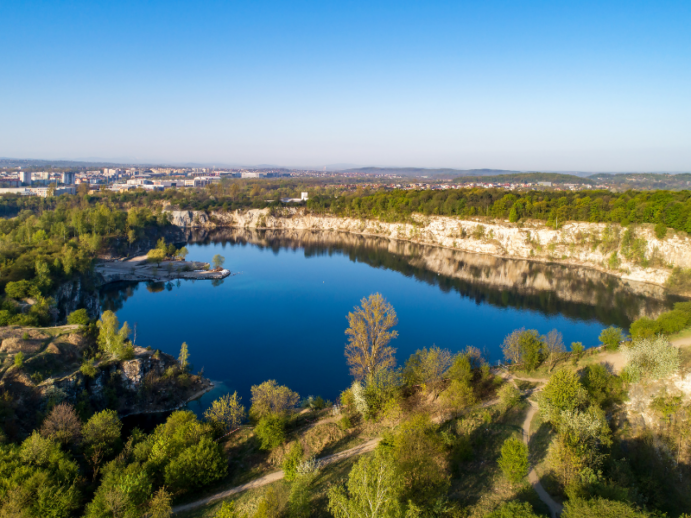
509 395
292 460
660 230
672 322
197 466
271 431
345 423
514 459
20 289
513 510
611 338
79 317
644 327
651 358
88 368
600 508
19 360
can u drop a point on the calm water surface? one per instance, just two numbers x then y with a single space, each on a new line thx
283 315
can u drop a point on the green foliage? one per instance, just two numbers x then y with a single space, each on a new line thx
660 230
672 322
217 261
292 460
524 347
101 435
19 360
228 510
156 255
88 368
79 317
227 413
124 491
344 423
270 431
644 327
514 460
577 349
380 388
562 392
20 289
427 367
183 358
651 358
611 338
111 338
419 453
38 480
509 395
601 508
299 499
196 466
669 322
604 388
374 490
513 510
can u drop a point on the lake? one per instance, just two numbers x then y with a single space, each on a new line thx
282 315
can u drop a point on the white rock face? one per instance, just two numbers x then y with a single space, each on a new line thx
575 243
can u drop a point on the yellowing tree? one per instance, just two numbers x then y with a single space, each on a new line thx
369 335
226 412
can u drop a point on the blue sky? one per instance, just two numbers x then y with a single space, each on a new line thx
530 85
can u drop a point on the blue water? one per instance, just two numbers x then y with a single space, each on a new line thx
283 317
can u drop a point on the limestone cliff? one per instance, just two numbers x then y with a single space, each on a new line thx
600 246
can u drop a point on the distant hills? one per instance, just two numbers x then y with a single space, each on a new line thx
556 178
419 172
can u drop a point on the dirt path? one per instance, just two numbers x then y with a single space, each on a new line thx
554 507
275 476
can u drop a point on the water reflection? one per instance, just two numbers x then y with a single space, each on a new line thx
577 293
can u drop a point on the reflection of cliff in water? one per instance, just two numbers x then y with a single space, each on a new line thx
578 293
114 295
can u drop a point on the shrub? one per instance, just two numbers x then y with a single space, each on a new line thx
20 289
600 508
270 431
514 460
644 327
651 358
344 423
62 424
292 460
79 317
26 336
524 347
576 351
562 392
513 510
272 398
673 321
509 395
19 360
88 368
660 230
611 338
197 466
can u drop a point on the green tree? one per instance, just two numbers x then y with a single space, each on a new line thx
184 357
101 436
611 338
562 392
523 347
427 368
19 360
218 261
156 255
514 460
228 510
79 317
644 327
513 215
374 489
509 395
292 460
457 396
226 412
196 466
576 351
270 431
660 230
112 337
369 335
182 253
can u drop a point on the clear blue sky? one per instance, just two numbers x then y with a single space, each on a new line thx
531 85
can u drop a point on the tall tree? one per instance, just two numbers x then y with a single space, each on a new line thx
111 338
183 359
369 335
